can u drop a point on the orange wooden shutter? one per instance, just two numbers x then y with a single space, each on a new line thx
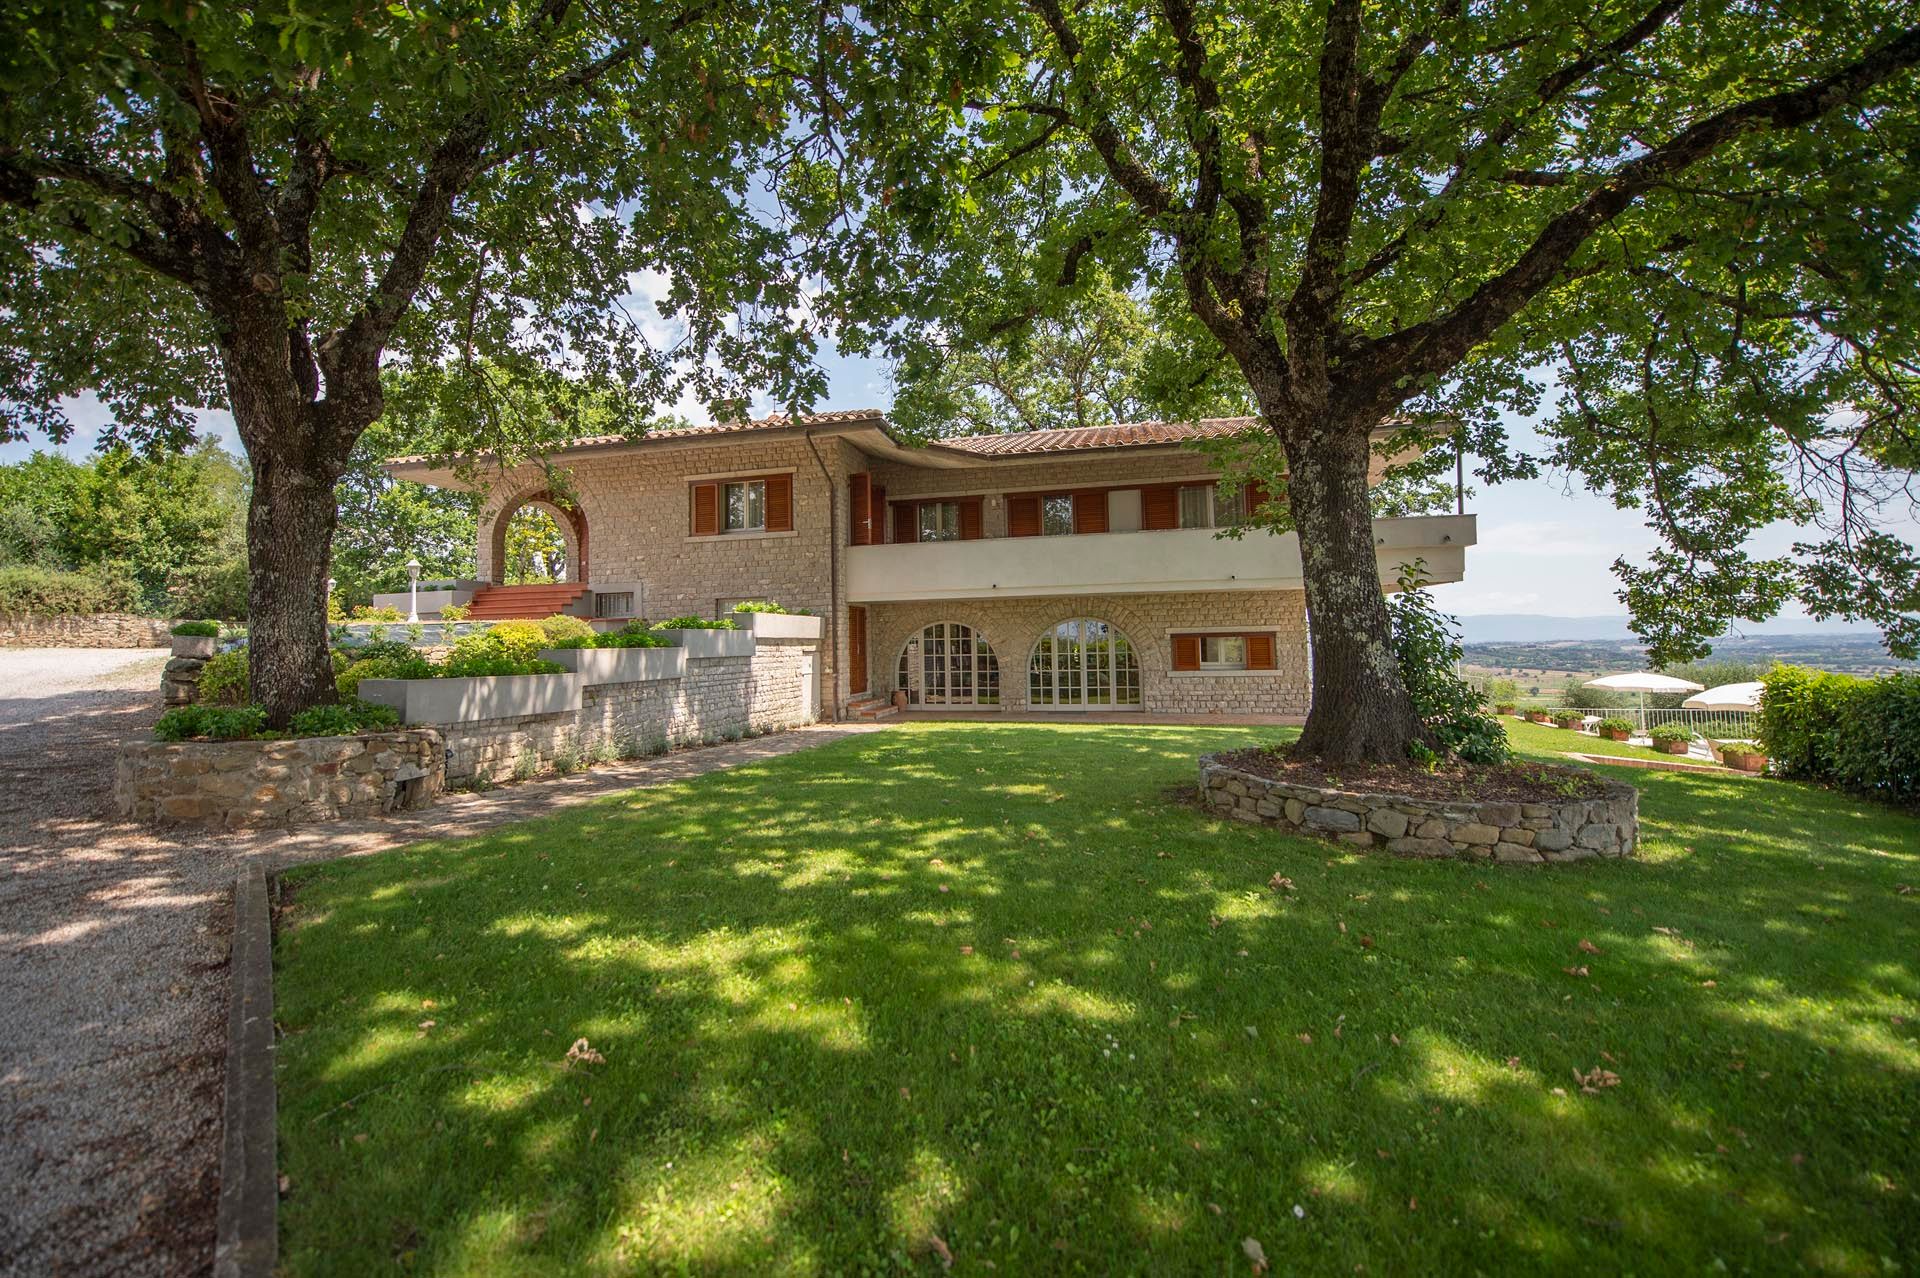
1090 511
1186 652
1254 497
1023 516
1160 506
906 521
706 510
860 508
877 517
1260 654
856 650
779 503
972 519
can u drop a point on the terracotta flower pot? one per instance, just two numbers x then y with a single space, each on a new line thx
1671 747
1616 734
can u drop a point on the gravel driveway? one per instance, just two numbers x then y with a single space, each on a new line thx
113 963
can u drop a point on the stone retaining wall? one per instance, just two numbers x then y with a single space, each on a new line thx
233 784
719 698
1564 830
106 630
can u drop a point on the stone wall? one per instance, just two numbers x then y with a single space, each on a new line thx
105 630
1012 626
720 698
1564 830
233 784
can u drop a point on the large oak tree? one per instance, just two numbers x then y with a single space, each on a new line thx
259 205
1693 222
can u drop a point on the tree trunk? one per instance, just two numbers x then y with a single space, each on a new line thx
1361 711
290 526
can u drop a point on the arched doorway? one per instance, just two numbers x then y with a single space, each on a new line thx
949 664
1083 664
570 522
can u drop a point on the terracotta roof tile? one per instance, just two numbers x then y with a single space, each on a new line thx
773 421
1122 435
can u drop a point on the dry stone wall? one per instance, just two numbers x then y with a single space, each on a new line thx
233 784
1517 833
104 630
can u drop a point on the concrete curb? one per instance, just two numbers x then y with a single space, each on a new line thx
246 1233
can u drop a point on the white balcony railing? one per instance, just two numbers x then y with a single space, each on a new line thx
1134 562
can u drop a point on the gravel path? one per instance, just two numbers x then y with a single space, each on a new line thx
113 953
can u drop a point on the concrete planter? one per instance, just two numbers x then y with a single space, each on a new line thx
200 646
778 625
488 697
711 643
620 665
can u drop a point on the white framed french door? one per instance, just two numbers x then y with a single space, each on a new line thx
949 664
1083 664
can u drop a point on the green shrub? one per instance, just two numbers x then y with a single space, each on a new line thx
695 623
197 629
221 723
366 612
764 605
518 639
1615 724
406 665
224 679
346 719
27 591
1429 654
1802 715
1876 747
560 626
616 639
1670 732
455 612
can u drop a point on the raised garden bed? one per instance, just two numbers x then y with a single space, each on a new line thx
620 665
479 697
778 625
233 784
1518 813
711 643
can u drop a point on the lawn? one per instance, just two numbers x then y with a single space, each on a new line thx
987 993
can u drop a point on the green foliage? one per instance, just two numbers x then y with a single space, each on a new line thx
385 521
1566 719
506 649
1879 749
535 547
455 612
561 626
406 665
1428 652
1613 723
1501 692
520 639
27 591
197 629
1665 732
224 678
220 723
367 612
344 719
615 639
760 605
695 623
1861 734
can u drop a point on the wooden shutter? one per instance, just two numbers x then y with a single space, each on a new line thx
1160 506
972 519
877 516
856 650
1260 652
1186 652
1090 511
779 503
1023 515
860 509
1254 497
706 510
906 521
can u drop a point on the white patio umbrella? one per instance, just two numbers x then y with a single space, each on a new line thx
1643 682
1728 696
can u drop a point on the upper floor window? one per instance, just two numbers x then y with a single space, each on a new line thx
1211 505
745 507
1056 514
939 521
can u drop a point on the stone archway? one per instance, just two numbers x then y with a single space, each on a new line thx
571 520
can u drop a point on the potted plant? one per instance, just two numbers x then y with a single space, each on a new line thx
1746 756
1539 716
1505 707
1614 728
196 639
1568 719
1671 738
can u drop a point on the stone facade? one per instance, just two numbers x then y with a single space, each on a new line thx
105 630
719 698
1012 627
1512 833
233 784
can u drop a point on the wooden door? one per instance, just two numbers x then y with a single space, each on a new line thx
856 650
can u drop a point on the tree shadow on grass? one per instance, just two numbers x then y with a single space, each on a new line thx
1106 1047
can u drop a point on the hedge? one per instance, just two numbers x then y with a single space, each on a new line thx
45 592
1860 734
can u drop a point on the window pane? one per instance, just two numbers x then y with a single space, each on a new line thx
1227 504
939 521
746 506
1194 510
1056 515
1228 651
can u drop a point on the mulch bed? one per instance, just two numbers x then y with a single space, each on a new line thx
1452 781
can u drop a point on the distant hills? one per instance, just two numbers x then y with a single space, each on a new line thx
1527 627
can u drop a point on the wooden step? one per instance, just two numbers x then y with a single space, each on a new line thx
509 603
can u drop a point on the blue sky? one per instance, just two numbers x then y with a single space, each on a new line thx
1545 545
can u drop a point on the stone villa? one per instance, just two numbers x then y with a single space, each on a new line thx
1055 571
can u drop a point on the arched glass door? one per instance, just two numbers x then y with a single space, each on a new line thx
1083 664
949 664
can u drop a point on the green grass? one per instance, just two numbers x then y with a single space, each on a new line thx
1147 1057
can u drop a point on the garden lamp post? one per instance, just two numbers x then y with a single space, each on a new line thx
413 590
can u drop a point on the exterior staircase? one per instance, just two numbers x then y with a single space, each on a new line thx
868 707
504 603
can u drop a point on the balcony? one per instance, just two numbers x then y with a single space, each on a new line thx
1133 562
